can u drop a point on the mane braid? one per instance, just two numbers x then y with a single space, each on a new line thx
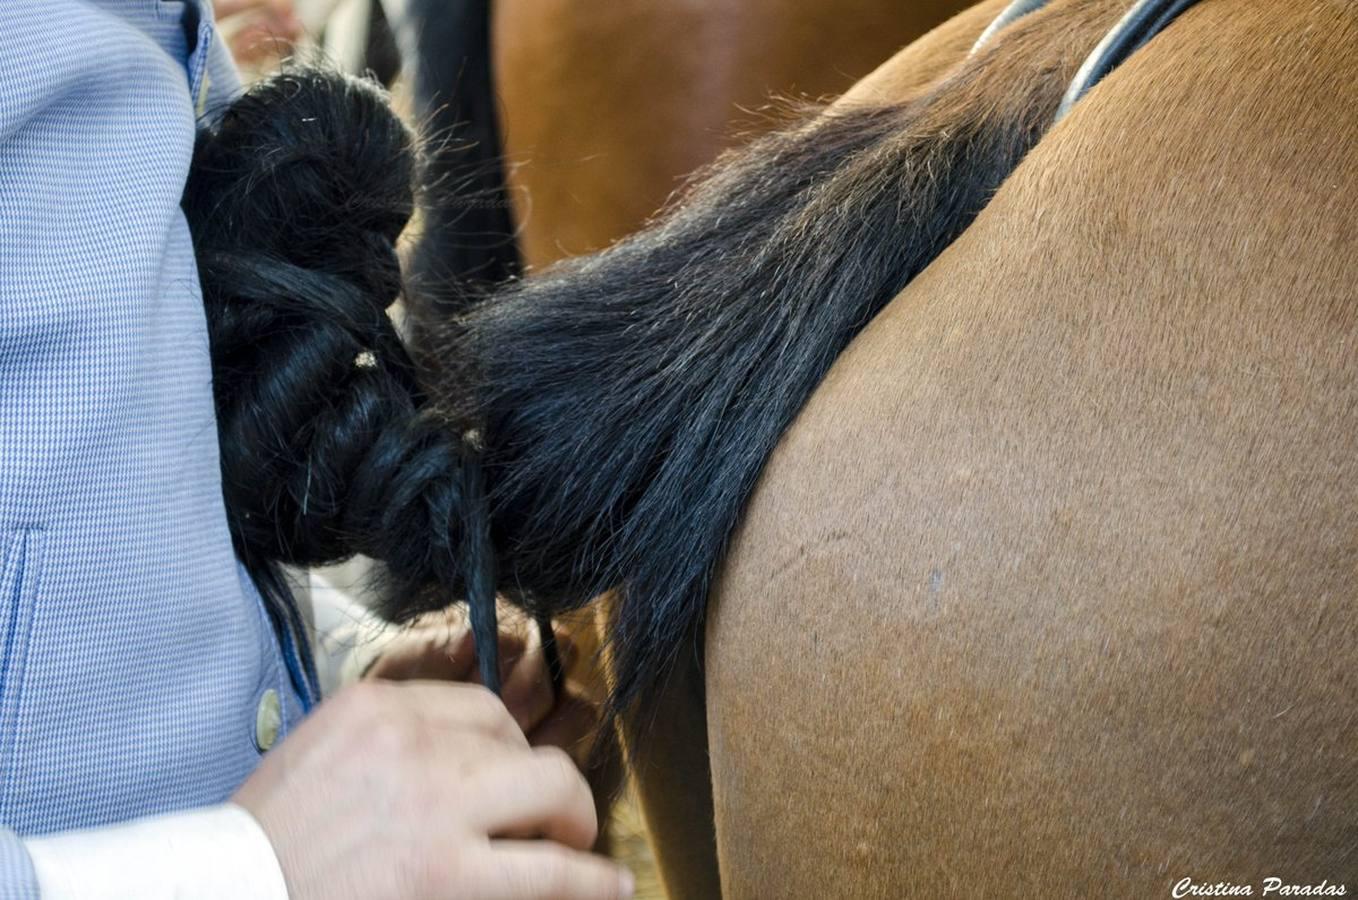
295 200
630 399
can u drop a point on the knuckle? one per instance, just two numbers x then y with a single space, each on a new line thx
559 766
564 780
481 698
492 714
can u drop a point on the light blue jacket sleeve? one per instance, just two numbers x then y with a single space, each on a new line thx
135 654
17 880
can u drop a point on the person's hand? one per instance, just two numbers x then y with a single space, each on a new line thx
257 30
440 647
426 791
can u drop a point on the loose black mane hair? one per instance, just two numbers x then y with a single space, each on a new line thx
469 233
630 399
295 200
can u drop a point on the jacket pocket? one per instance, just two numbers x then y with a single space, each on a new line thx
20 570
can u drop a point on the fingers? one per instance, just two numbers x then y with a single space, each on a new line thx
263 40
525 684
439 705
433 653
279 10
536 870
527 689
258 29
443 650
543 796
472 707
225 9
511 648
441 647
570 726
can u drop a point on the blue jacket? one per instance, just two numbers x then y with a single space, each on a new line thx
134 653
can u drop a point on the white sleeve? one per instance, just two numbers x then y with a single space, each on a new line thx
215 853
348 638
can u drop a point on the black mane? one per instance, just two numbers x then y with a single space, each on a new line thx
296 199
629 400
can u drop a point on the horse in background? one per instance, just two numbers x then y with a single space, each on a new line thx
560 127
980 492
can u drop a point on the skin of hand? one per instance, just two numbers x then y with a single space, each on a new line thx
425 790
440 648
258 30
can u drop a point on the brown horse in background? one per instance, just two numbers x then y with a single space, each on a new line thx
1050 586
607 107
563 126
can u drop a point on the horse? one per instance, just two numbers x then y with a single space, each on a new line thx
561 127
973 466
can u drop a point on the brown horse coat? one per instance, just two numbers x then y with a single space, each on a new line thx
607 106
1051 588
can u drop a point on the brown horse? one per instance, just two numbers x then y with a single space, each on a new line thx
606 107
565 126
1084 498
1050 586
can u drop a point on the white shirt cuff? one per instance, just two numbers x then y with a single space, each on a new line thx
215 853
348 637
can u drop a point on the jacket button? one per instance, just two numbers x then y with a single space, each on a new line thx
268 720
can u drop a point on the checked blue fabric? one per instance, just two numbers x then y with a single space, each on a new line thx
133 650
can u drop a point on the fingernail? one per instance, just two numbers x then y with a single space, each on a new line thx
629 884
